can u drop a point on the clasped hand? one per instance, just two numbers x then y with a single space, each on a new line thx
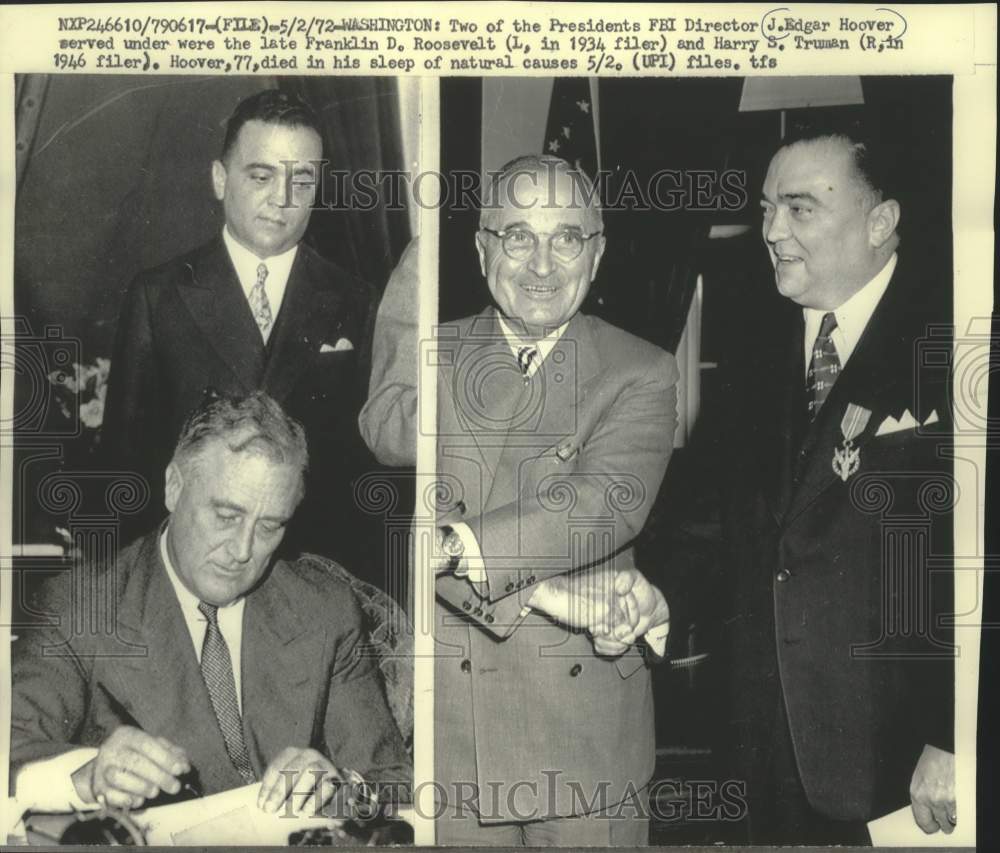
616 607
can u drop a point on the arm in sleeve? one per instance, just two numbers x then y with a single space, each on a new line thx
49 693
618 474
388 420
360 732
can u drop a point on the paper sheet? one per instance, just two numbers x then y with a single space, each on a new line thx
899 829
231 817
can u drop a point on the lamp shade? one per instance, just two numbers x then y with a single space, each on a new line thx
786 93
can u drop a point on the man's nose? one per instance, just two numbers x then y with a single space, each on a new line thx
279 195
540 262
241 542
777 228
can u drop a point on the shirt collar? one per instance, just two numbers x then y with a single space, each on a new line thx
279 267
544 345
854 314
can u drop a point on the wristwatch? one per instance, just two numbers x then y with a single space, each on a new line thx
452 546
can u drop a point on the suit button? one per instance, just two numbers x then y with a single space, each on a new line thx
461 507
489 618
510 586
478 611
466 666
782 576
466 605
576 670
531 579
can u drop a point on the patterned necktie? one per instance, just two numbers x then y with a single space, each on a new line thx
823 367
217 670
259 305
525 358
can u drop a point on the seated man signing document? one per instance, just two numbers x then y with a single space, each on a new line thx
197 658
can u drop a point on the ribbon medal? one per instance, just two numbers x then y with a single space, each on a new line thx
847 457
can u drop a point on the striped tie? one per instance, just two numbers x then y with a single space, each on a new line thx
525 358
823 367
259 305
217 670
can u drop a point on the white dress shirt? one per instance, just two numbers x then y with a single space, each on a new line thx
279 267
852 317
46 784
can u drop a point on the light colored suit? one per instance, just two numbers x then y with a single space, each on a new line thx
551 475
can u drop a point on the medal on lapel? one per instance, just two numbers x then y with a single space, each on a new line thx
847 457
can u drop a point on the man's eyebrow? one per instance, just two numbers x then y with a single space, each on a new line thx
799 196
524 226
265 166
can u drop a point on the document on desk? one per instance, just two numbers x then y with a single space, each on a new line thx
231 817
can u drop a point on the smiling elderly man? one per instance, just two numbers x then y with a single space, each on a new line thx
208 660
553 434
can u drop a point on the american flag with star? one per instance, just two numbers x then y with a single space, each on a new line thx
570 130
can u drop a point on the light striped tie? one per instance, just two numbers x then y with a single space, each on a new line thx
217 670
824 366
525 358
259 305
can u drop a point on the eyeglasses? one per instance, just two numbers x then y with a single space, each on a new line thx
519 244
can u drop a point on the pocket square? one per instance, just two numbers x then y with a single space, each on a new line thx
906 421
342 345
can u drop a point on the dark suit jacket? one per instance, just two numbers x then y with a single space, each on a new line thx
840 589
551 475
114 650
186 326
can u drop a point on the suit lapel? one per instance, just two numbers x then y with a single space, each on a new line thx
219 308
548 408
868 380
163 690
307 311
282 670
487 386
786 412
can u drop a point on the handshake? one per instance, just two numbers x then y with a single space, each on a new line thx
617 608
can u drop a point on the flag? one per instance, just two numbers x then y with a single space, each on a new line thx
570 131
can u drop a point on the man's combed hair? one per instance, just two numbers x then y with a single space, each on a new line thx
545 166
873 162
255 424
272 107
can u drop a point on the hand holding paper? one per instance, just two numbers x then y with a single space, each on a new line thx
131 767
932 791
303 777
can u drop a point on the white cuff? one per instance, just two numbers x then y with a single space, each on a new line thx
46 785
472 566
656 638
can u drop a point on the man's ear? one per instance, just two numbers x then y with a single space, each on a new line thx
598 254
481 251
175 484
219 179
883 220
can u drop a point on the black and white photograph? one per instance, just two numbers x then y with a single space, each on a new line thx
693 582
522 426
203 600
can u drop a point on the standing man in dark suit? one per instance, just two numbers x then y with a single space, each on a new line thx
200 654
255 308
553 434
839 523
